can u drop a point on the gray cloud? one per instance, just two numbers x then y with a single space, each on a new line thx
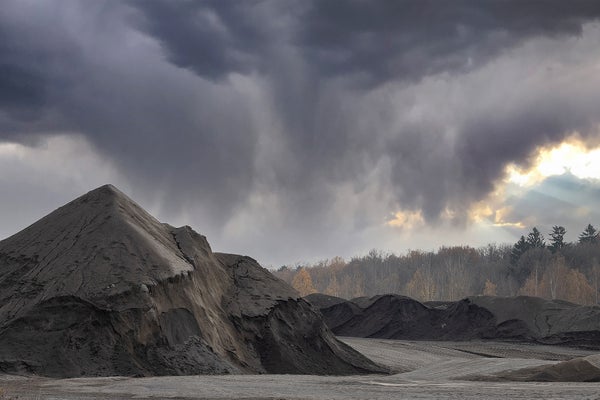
212 38
411 39
374 43
160 124
310 120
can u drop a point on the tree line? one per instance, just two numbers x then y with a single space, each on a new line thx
555 269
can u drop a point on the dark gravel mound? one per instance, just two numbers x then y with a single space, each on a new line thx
481 317
364 301
99 287
400 317
340 313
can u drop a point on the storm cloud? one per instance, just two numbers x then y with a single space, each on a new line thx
293 128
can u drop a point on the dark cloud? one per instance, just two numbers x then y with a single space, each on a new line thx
30 49
212 38
375 43
412 39
392 41
297 116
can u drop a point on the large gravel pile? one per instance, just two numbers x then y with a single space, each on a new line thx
100 287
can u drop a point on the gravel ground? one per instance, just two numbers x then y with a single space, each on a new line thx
414 355
426 370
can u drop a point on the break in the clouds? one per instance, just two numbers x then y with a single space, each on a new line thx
291 130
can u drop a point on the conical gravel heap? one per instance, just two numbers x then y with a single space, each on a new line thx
100 287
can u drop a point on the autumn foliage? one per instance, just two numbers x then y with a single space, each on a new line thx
566 271
302 282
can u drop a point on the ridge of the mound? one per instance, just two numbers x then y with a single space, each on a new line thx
321 300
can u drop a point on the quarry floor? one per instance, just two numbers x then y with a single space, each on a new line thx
426 370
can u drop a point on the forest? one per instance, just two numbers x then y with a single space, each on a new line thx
534 266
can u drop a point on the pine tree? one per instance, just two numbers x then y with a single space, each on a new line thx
589 235
558 238
518 249
535 239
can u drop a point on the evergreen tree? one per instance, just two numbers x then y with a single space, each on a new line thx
558 238
535 239
518 249
589 235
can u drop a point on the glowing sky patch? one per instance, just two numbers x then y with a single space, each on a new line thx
407 219
572 156
493 212
562 179
501 216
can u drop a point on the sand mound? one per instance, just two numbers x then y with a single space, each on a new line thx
100 287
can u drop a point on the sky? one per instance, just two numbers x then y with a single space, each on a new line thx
293 131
